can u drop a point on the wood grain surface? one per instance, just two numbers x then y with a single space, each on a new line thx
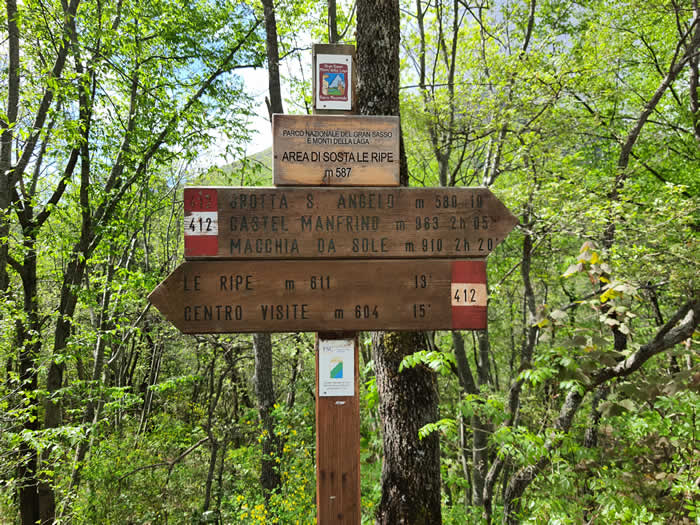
291 296
327 223
347 150
338 448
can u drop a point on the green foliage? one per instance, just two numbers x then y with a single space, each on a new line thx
295 503
439 362
539 113
446 427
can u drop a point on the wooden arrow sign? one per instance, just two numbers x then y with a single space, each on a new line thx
285 296
310 223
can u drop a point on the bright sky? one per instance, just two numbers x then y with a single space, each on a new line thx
255 81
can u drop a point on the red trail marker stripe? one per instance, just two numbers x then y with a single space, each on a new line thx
469 295
201 223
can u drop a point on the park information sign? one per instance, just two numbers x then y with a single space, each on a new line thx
308 223
335 149
289 296
336 367
334 82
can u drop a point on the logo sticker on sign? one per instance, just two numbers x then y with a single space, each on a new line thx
336 367
334 82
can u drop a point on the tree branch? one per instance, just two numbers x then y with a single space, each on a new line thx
106 209
677 65
47 99
679 328
169 464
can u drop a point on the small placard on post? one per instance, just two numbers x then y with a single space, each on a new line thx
333 78
336 367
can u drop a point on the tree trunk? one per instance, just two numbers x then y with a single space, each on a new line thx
378 36
269 476
274 103
214 448
296 369
35 496
480 426
154 370
93 406
694 82
6 139
332 22
262 344
407 401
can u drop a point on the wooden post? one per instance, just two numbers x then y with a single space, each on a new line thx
337 443
337 417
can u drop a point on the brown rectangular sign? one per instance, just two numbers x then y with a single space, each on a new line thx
309 223
335 150
285 296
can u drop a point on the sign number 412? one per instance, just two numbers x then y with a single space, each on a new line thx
202 223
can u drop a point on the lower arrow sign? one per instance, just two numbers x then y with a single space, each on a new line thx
335 295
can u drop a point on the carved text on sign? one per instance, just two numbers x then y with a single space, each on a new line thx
301 223
278 296
335 150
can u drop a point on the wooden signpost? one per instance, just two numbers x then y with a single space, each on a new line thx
338 418
309 223
337 256
285 296
335 150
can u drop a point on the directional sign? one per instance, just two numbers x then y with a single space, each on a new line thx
284 296
335 150
378 223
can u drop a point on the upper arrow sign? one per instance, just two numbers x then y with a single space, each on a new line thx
309 223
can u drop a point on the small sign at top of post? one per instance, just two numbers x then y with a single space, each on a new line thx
333 78
334 88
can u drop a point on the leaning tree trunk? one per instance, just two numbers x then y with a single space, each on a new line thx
407 400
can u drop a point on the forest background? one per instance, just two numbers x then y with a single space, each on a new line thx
580 402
